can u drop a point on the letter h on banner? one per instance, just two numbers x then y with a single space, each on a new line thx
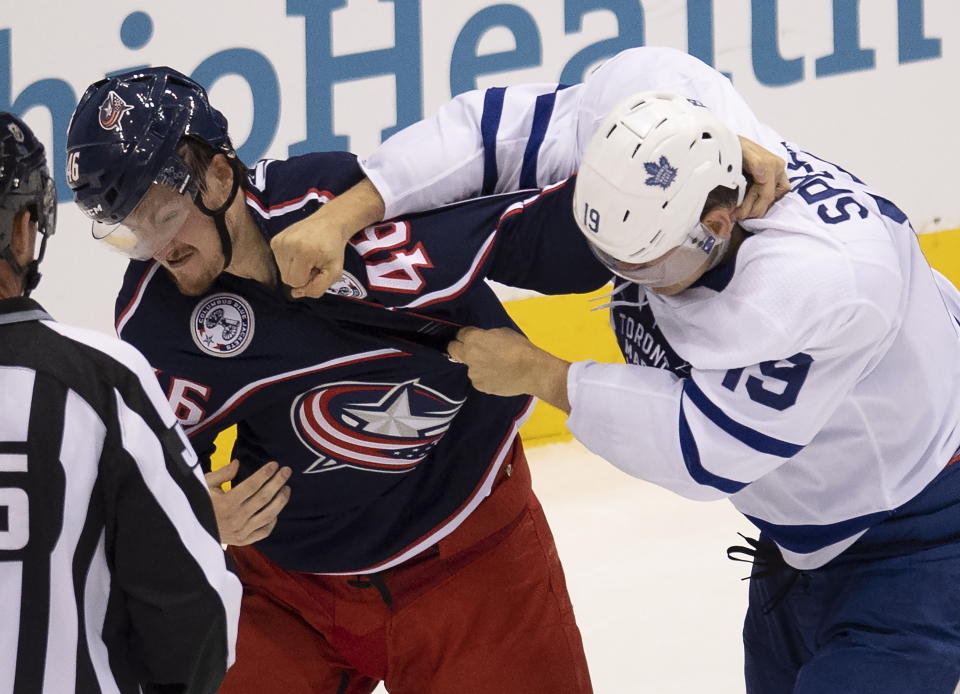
55 95
323 69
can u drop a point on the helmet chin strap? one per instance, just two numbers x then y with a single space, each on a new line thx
31 273
31 277
219 214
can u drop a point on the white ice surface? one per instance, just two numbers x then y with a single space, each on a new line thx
659 605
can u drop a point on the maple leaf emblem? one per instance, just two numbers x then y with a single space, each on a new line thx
661 173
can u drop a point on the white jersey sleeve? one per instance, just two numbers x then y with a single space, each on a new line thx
529 136
767 372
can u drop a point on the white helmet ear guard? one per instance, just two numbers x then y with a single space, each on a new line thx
646 174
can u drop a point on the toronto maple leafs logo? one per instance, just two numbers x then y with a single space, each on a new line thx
377 427
661 173
222 325
112 111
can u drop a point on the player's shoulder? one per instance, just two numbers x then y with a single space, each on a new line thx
800 274
98 347
96 365
273 182
858 244
144 284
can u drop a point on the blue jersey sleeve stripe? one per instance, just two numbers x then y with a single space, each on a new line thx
888 209
756 440
691 458
806 539
489 125
538 131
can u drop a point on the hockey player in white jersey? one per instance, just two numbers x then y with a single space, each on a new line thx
809 372
814 379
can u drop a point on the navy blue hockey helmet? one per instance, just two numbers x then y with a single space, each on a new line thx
123 139
25 183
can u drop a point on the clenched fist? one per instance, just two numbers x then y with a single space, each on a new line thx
770 181
309 253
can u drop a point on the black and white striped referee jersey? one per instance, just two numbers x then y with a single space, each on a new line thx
112 577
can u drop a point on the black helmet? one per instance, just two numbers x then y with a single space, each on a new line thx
25 183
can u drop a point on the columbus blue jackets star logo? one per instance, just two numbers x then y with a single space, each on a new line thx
112 111
377 427
661 173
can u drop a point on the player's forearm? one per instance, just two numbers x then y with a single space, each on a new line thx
548 381
432 162
356 209
628 415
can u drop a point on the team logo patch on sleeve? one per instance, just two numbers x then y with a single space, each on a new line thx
222 325
348 286
112 111
377 427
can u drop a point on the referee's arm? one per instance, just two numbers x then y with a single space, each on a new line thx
182 603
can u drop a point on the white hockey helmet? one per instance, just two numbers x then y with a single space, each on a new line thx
646 174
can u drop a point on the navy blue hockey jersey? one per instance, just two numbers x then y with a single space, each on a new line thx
390 445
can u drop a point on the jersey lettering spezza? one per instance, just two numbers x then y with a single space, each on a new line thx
390 445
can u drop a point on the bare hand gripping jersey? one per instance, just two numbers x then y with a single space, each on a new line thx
391 447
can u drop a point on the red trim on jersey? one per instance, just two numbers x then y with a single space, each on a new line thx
953 460
331 393
202 426
469 283
517 208
505 443
376 233
310 192
412 273
514 209
137 295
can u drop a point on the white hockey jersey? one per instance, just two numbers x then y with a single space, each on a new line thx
815 380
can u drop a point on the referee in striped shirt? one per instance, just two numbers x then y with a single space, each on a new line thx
112 578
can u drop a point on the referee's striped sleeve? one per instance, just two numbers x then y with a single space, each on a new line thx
180 603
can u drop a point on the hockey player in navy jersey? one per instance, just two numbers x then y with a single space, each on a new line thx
396 537
809 372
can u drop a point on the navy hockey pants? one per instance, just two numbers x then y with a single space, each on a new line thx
883 617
